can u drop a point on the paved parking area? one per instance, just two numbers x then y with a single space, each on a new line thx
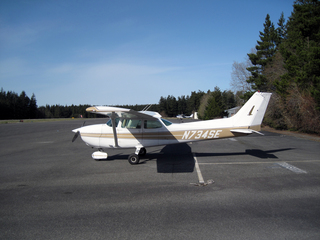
255 187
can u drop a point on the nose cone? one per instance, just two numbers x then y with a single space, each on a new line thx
90 134
90 129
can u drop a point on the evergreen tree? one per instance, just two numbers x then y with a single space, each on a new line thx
33 108
228 99
194 101
23 106
301 51
172 108
266 49
281 31
215 107
162 106
182 105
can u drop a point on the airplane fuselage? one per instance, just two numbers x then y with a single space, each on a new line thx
101 135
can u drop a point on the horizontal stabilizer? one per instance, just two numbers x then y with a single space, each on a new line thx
245 131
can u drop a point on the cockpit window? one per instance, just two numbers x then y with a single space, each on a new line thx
109 123
152 124
166 122
131 123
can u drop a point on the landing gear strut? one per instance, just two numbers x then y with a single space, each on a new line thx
142 152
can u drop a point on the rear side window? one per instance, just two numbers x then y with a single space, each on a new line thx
152 124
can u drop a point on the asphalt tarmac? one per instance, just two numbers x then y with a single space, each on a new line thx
255 187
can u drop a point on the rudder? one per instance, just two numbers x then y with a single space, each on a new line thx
252 113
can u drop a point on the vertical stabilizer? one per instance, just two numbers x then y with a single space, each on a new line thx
252 113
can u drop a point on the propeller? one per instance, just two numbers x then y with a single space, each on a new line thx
77 133
75 136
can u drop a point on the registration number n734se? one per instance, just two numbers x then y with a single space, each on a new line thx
201 134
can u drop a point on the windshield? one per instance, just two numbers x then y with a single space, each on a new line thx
166 122
109 123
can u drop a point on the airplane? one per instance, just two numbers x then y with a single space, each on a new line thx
184 116
127 128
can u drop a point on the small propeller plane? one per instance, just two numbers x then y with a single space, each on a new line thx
140 129
184 116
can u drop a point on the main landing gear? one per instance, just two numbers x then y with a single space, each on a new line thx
135 157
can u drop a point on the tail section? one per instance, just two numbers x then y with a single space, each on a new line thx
250 116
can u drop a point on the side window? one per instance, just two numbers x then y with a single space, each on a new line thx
152 124
109 123
131 123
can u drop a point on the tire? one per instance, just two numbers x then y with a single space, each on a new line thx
142 152
133 159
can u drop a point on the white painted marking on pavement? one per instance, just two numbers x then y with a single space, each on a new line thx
266 162
201 181
233 139
291 167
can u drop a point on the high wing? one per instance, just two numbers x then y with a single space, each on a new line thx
123 112
115 112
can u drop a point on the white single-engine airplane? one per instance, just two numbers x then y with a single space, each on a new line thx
140 129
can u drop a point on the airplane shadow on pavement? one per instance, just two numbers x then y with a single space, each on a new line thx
252 152
176 158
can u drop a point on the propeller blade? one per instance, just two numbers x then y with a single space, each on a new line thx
75 136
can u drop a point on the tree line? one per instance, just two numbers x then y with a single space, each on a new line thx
209 105
14 106
213 104
286 62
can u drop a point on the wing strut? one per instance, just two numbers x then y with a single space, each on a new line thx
113 120
146 108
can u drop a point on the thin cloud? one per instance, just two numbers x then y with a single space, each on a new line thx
12 36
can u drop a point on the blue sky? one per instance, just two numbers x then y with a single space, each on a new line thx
126 52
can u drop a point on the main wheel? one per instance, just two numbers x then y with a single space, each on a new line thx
133 159
142 152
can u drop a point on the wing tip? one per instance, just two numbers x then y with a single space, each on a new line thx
92 109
